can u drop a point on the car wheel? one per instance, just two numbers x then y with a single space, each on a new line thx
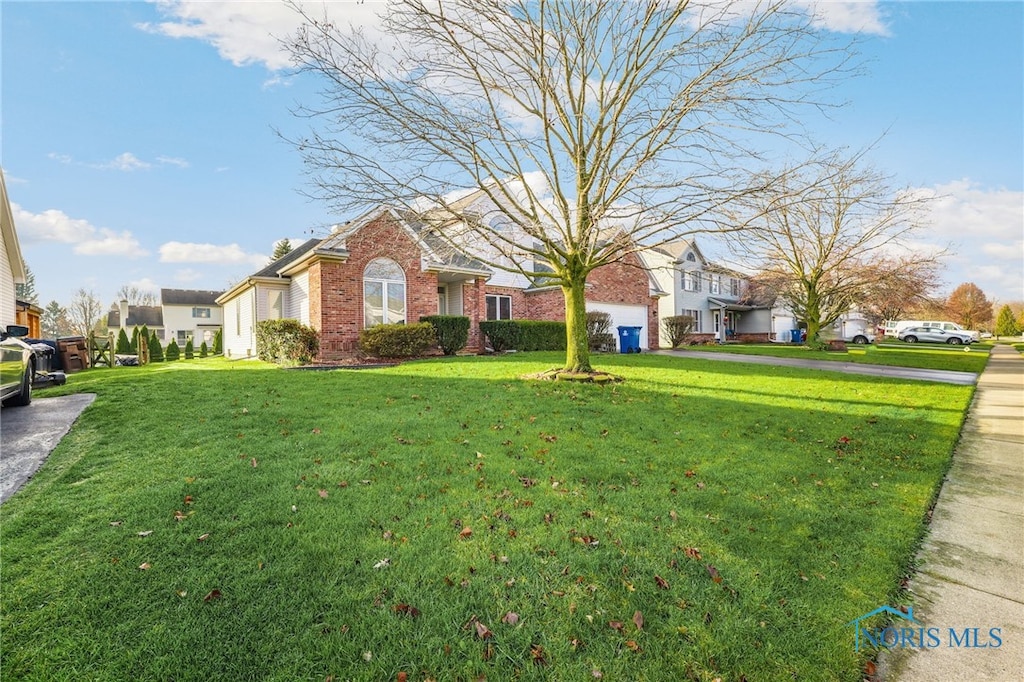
910 339
954 341
24 397
860 339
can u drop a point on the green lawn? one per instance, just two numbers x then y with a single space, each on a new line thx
213 520
894 353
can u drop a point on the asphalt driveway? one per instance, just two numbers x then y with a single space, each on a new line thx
29 434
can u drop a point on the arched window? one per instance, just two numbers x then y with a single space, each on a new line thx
383 293
691 258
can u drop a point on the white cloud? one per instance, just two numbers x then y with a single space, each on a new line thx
145 285
124 162
228 254
172 161
188 275
56 226
847 16
248 32
984 227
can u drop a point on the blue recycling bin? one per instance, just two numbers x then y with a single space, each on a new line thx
794 335
629 339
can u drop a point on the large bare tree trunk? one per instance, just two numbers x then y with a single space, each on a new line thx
577 348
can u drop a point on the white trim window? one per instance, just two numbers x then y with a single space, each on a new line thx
734 287
695 314
714 284
691 280
383 293
203 313
275 304
499 307
183 337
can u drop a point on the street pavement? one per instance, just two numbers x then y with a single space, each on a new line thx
28 435
940 375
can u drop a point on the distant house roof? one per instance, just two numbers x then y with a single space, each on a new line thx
138 315
188 297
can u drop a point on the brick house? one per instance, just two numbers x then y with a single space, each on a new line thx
388 267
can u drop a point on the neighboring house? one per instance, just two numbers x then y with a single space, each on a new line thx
723 304
12 267
390 267
183 314
191 314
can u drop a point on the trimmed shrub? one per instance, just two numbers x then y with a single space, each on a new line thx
524 334
452 331
397 340
124 346
541 335
677 328
599 331
287 342
173 351
133 346
190 350
203 350
156 349
218 342
503 335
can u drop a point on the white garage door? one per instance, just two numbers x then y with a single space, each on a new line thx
626 316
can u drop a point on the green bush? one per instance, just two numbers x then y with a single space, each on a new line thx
503 335
124 346
156 349
287 342
397 340
133 346
190 350
218 342
173 351
452 331
524 334
677 328
203 350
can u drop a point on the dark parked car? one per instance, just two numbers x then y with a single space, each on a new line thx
935 335
17 366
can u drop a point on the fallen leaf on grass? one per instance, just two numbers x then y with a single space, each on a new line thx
482 631
403 676
322 494
383 563
538 655
213 594
181 593
692 552
253 462
145 566
638 620
661 582
713 572
406 610
179 516
466 532
633 646
116 523
188 499
616 625
145 533
511 618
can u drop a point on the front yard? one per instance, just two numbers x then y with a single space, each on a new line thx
444 520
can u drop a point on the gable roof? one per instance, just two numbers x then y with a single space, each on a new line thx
188 297
138 315
274 268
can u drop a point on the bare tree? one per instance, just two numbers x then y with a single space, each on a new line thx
825 237
901 285
969 306
84 312
136 296
588 128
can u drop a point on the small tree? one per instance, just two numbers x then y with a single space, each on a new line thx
156 349
124 346
1006 324
677 328
173 351
281 249
203 350
218 341
190 351
452 331
969 306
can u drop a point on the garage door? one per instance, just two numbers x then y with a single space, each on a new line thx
626 316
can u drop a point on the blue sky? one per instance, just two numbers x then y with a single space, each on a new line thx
139 144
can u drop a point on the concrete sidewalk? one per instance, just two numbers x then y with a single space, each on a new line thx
971 567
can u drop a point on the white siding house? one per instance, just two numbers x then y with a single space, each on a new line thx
12 267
